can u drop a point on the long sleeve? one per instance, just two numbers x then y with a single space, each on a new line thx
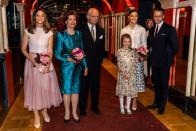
120 64
58 51
143 37
82 47
173 41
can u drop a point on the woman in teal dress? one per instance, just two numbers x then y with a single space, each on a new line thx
70 69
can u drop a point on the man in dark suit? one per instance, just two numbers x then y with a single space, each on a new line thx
164 42
94 43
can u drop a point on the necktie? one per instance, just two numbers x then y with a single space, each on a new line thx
156 30
93 32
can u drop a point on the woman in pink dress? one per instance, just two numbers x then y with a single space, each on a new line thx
41 89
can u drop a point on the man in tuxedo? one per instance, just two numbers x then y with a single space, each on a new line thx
164 42
94 43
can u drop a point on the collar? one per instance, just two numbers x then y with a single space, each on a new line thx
90 25
134 27
160 24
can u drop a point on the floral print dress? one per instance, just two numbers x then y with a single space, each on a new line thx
126 62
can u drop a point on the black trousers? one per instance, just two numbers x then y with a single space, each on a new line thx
90 83
160 80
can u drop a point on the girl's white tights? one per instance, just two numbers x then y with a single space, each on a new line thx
128 100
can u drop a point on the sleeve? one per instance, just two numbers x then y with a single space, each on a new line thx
173 41
103 46
82 47
120 64
26 31
58 50
50 33
143 37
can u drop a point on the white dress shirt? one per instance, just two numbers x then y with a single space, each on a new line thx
159 26
138 35
94 28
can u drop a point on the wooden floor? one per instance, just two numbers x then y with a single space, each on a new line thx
19 119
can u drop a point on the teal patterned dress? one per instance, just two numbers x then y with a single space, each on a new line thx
70 73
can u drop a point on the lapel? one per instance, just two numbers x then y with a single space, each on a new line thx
152 32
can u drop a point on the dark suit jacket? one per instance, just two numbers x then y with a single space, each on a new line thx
94 50
164 45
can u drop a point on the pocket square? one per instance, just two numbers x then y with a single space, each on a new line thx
163 34
101 37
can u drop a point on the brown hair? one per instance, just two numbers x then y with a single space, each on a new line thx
159 9
71 13
147 21
46 25
131 11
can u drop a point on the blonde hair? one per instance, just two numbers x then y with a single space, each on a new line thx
125 36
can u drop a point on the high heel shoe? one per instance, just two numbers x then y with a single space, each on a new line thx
46 117
76 120
66 120
37 124
134 108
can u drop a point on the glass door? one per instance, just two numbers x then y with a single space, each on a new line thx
183 31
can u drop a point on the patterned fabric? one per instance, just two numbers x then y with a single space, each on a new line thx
126 62
138 36
70 73
140 81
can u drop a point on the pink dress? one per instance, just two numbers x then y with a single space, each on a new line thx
40 90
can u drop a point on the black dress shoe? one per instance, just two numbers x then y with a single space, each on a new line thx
160 111
83 113
153 106
66 120
96 111
76 120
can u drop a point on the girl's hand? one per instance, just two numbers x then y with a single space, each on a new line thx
85 71
71 60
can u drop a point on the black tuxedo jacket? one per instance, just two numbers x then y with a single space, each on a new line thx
164 45
94 50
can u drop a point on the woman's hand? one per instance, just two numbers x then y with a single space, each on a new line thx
71 60
46 69
33 61
85 71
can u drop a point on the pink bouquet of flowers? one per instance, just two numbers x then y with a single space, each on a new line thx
43 62
78 54
142 52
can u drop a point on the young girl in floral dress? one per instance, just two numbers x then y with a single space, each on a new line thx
126 62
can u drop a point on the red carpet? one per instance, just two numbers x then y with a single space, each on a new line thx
110 118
